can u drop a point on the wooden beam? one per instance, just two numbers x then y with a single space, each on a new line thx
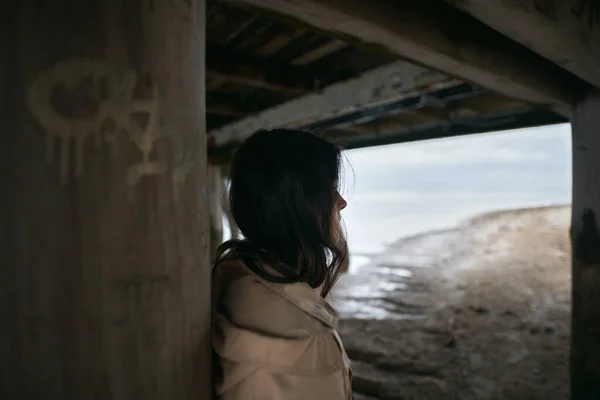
225 111
435 34
565 32
227 102
410 104
490 103
247 69
585 237
390 124
320 52
379 86
104 266
280 41
256 80
459 126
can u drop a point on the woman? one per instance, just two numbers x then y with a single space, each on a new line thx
274 334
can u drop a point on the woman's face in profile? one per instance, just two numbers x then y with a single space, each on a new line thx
339 205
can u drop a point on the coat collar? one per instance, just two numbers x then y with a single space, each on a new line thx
299 294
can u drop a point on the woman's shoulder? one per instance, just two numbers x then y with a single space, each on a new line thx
250 303
315 354
267 367
260 328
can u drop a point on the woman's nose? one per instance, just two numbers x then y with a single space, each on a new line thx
341 203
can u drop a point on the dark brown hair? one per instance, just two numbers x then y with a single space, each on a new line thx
282 193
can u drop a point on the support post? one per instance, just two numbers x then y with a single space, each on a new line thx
215 202
585 319
104 267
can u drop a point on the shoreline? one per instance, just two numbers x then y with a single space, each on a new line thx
480 311
460 224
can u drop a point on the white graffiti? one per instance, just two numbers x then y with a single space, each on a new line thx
186 150
145 138
57 125
112 91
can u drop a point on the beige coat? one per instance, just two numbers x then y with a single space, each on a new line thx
275 341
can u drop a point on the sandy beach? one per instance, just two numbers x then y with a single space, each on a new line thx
480 311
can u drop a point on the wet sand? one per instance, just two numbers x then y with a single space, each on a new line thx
476 312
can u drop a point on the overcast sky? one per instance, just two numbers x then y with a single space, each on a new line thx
403 189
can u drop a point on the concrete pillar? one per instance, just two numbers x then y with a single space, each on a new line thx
585 320
215 204
104 264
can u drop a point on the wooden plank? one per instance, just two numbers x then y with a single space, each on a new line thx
214 83
223 22
225 111
585 237
320 52
461 125
250 19
565 32
435 34
383 125
417 117
104 265
378 86
256 80
280 41
491 102
255 71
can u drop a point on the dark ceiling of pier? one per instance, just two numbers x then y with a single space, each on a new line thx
254 63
